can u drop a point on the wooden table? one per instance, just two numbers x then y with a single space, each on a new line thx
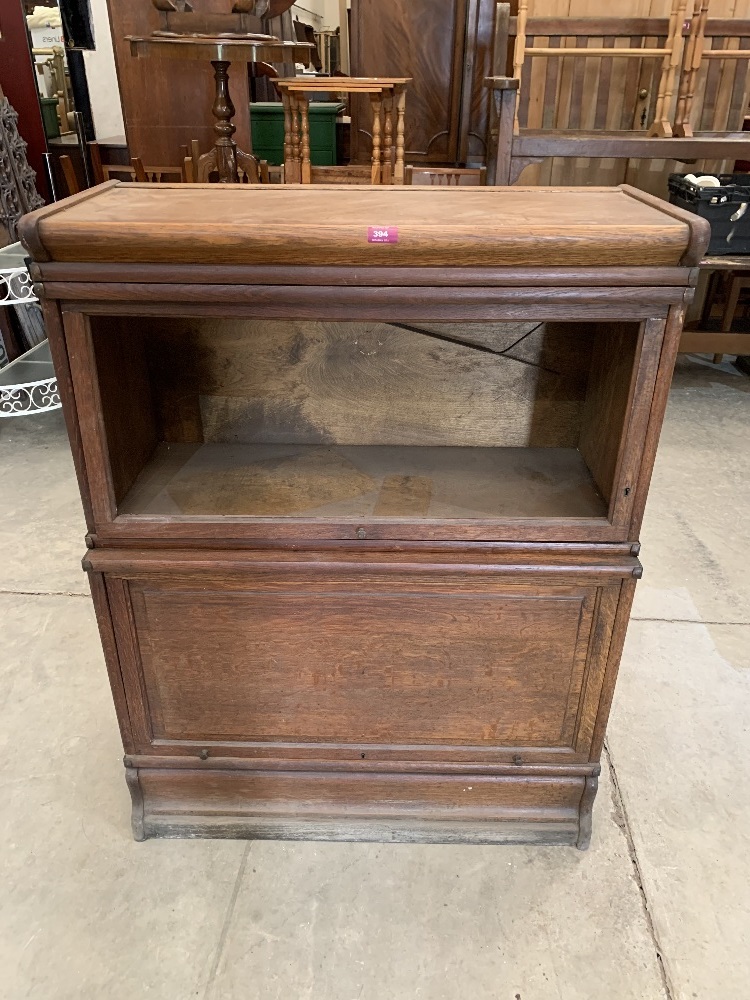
387 97
225 157
363 514
704 339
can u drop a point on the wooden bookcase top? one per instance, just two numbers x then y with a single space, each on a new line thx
333 225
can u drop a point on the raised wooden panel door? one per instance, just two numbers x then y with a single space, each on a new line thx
370 662
424 40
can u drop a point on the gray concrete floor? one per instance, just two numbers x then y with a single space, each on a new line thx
658 908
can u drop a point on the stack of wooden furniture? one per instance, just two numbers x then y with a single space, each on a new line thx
600 88
364 497
388 101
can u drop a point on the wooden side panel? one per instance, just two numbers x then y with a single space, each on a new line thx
125 393
608 401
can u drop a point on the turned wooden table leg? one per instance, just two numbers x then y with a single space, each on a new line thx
387 175
399 172
223 111
288 167
304 105
296 177
377 101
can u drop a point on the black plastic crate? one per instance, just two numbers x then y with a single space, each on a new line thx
722 206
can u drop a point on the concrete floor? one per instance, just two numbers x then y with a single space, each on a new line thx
658 908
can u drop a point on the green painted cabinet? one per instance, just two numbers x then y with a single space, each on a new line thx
267 123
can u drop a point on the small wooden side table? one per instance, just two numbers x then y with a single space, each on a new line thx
704 340
388 99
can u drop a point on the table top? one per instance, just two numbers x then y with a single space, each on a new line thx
378 226
740 262
342 84
219 48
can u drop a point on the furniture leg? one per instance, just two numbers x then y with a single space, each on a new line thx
287 102
304 104
388 140
223 110
398 174
296 174
519 53
734 286
499 162
376 101
661 125
691 66
712 288
730 307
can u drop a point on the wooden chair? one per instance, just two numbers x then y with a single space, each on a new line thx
595 87
134 171
446 176
69 173
200 168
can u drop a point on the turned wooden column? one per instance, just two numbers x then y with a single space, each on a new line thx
387 172
304 105
296 177
223 111
399 171
377 102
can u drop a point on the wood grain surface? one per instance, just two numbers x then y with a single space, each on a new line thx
509 384
233 224
363 482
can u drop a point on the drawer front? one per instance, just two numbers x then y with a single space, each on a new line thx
333 662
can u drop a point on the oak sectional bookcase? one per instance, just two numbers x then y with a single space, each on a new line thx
364 471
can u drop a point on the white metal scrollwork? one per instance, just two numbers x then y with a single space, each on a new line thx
29 397
40 395
16 287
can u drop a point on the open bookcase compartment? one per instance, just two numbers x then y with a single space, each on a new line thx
361 421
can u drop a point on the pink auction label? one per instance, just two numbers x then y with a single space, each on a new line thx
382 234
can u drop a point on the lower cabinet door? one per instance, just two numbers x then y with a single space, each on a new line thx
324 688
389 658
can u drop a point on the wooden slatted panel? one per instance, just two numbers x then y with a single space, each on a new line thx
580 71
726 88
740 91
551 85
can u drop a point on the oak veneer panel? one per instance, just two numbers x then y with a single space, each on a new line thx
126 399
251 381
608 401
281 224
424 668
